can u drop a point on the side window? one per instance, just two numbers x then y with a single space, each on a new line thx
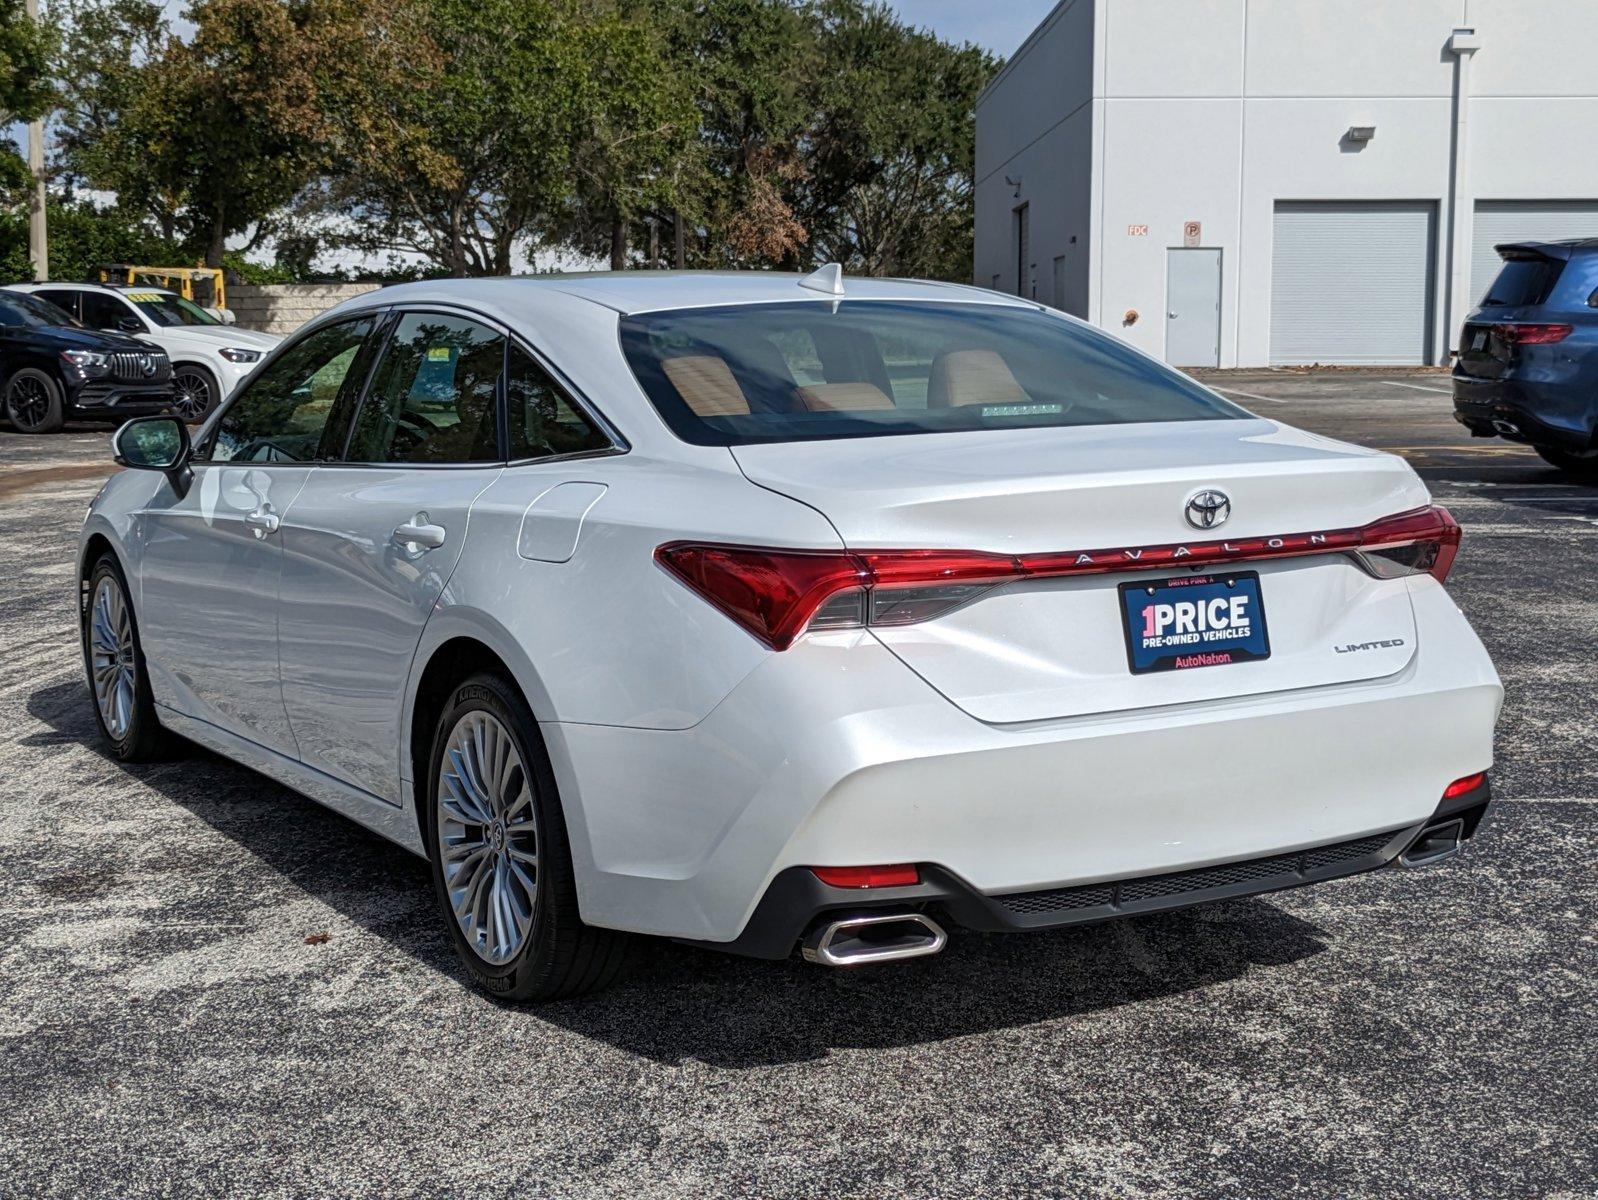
102 310
283 414
63 298
435 398
542 421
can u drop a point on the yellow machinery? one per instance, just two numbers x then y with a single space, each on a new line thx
181 280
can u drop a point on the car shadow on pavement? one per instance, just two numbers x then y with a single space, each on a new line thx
683 1003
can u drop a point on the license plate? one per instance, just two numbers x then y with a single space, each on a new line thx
1194 621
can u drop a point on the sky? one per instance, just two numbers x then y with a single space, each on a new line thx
998 25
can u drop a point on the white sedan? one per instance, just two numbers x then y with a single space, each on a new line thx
209 357
777 613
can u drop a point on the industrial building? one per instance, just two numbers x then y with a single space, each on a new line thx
1263 182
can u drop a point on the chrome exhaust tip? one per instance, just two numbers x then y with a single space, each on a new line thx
1507 428
1434 844
873 938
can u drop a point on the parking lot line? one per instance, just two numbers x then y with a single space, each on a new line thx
1416 386
1250 395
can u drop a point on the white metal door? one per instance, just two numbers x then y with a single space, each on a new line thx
1352 283
1500 221
1193 307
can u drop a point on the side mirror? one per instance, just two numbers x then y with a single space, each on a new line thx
156 444
225 315
131 325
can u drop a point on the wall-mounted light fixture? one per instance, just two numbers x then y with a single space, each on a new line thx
1360 133
1015 183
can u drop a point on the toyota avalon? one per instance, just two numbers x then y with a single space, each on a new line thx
779 613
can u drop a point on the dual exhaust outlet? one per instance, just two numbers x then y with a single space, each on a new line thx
862 938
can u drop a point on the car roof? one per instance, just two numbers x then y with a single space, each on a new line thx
650 291
58 284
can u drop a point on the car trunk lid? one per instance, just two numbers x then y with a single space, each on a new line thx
1043 648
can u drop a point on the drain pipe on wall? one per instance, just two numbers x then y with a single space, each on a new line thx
1462 44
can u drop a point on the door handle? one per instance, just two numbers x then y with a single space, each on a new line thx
1171 316
262 521
419 532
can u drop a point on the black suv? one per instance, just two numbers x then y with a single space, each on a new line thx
51 368
1528 357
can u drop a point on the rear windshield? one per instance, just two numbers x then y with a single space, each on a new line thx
1523 281
833 369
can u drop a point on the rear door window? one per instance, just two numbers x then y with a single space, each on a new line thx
63 298
542 421
102 310
435 397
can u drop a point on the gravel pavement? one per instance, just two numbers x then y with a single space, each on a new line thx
172 1021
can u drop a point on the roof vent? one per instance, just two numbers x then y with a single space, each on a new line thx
828 279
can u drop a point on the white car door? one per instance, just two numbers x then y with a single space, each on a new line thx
370 542
211 561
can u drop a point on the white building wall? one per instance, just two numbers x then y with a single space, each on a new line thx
1213 110
1035 124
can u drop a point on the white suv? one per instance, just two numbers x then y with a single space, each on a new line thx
209 357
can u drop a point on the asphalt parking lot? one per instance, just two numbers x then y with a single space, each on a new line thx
167 1028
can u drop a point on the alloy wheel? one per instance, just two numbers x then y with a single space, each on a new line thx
191 395
488 837
111 660
27 402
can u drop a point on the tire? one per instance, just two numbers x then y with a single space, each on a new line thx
195 392
113 662
533 946
33 402
1582 466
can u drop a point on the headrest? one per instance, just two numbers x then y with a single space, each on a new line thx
843 397
972 377
706 385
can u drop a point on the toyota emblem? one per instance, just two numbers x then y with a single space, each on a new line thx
1209 508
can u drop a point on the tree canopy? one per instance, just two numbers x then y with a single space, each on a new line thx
465 135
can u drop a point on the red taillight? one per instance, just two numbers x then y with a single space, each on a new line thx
1424 540
771 593
1468 784
1521 333
898 875
776 594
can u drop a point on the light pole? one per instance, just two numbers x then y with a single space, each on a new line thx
38 244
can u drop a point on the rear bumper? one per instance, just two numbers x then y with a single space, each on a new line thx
836 754
1560 413
797 900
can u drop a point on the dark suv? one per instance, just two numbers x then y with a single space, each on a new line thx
51 368
1528 357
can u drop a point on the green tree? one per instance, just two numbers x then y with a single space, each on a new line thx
889 158
26 91
458 151
81 238
213 135
632 133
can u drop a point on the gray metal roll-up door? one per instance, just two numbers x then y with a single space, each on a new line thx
1500 221
1352 283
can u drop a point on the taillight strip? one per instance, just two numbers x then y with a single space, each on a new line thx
774 592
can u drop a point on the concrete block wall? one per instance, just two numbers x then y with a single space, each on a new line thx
284 307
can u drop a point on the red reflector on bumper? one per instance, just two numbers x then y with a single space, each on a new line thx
1468 784
899 875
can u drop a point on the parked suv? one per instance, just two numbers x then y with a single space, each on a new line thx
1528 357
51 368
209 357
